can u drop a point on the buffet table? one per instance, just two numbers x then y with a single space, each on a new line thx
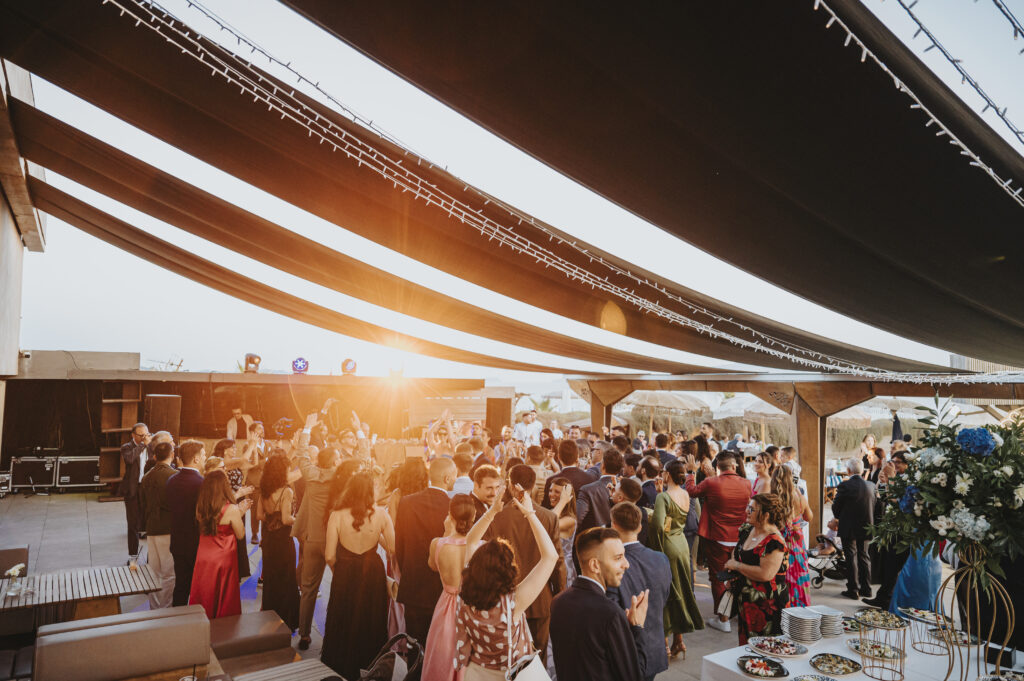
918 667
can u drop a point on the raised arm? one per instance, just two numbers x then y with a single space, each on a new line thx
479 529
527 590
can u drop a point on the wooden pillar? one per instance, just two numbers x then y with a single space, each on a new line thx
597 414
810 448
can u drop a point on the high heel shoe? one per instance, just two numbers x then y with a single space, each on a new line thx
677 648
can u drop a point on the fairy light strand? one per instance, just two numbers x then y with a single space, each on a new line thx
1018 29
965 77
282 100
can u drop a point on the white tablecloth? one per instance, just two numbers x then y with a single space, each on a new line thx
917 667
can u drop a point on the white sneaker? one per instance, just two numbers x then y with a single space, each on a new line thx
716 623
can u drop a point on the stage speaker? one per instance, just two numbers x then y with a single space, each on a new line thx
499 414
163 412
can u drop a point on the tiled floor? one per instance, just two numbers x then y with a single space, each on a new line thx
76 530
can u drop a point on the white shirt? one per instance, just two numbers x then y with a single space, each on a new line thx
528 434
143 457
463 485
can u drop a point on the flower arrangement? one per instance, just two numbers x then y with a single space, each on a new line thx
965 485
15 571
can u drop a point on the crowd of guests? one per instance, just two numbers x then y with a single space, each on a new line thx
573 550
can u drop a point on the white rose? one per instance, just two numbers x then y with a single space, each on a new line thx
999 440
1018 496
963 484
938 460
1007 471
918 475
917 508
940 479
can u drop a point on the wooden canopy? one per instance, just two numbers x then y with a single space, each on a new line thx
748 130
135 74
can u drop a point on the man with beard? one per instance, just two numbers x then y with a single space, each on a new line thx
593 639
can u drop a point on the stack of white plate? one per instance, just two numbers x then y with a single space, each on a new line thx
831 620
802 624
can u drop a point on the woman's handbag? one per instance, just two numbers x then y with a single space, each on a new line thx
531 667
393 666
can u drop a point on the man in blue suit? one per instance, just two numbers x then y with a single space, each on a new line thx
660 442
648 571
182 495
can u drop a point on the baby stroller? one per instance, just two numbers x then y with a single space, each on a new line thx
831 565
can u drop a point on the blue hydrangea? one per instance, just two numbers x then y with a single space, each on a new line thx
909 497
976 441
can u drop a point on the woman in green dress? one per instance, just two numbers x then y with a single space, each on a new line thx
666 534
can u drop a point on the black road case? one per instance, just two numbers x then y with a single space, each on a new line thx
33 472
78 471
5 484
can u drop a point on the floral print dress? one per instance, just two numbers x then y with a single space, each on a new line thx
796 575
761 603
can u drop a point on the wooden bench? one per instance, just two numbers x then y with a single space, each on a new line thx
78 593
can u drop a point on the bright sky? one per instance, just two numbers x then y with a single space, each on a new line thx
120 303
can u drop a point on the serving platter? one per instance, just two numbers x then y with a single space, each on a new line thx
830 663
761 667
779 646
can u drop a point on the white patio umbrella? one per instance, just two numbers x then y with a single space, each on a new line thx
854 417
736 406
674 401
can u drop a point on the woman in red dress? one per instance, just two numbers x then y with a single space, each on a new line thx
215 578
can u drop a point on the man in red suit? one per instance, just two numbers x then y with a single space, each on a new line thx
725 498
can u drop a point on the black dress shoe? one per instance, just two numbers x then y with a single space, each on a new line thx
852 595
865 594
875 602
304 642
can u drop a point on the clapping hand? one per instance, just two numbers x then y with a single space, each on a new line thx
637 614
707 468
244 491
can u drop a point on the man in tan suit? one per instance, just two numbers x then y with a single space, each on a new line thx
310 530
512 525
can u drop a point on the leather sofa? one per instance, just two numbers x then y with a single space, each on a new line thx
150 644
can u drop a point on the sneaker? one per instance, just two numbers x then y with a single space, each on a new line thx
716 623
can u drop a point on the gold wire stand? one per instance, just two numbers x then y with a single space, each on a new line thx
924 642
963 591
884 669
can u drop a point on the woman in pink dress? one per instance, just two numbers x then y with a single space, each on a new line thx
447 557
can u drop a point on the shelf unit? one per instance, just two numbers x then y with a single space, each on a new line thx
120 411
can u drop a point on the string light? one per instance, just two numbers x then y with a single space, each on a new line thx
958 65
1005 185
1018 29
242 74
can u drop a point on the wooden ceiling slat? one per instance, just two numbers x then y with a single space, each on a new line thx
168 256
90 51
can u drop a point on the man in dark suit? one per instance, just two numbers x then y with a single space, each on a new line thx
134 454
660 443
630 490
725 498
512 525
421 519
593 638
648 571
594 500
157 518
854 506
182 494
650 473
486 482
568 455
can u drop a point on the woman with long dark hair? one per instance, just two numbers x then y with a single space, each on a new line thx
494 600
235 467
357 612
447 557
764 467
215 577
563 504
280 589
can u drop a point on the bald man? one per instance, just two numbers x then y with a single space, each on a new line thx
421 519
